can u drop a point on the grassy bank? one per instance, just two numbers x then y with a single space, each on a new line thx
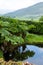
34 39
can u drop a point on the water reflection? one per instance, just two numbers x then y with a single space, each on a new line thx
31 53
37 59
21 53
39 45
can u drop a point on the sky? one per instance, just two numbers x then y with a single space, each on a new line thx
13 5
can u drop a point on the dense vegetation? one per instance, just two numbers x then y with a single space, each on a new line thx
14 32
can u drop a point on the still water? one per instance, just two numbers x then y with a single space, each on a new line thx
32 54
37 58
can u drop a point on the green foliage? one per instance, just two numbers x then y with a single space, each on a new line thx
8 30
16 31
41 18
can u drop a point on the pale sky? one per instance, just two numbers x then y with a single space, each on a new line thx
12 5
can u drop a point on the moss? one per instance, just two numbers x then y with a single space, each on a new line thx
1 54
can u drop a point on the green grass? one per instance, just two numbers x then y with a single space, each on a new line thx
33 38
1 54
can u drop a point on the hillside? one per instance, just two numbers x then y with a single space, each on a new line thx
32 11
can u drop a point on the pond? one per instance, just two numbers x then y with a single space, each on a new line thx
37 58
30 53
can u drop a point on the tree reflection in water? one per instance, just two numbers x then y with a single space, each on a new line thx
18 54
21 54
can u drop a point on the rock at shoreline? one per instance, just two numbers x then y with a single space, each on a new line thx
10 62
